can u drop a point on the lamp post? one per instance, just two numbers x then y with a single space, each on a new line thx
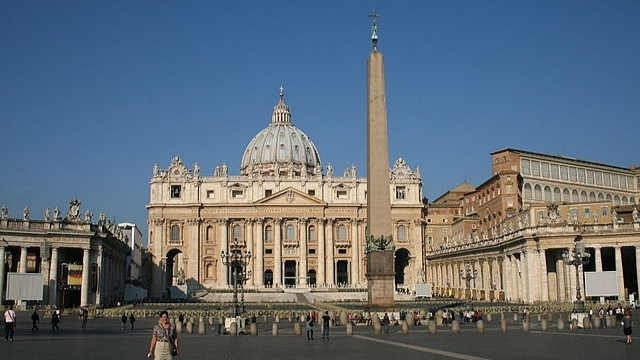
467 274
236 259
577 257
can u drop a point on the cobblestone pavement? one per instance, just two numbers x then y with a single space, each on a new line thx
105 339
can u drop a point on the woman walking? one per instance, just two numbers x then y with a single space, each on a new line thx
164 339
627 323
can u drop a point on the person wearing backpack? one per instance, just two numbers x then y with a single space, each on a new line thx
309 327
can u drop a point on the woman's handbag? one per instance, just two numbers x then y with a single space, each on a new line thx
173 349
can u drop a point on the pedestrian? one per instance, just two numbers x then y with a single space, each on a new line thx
9 323
35 319
164 339
627 324
326 319
55 319
309 327
85 317
385 322
124 320
131 320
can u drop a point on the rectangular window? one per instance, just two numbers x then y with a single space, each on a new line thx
312 251
268 251
590 177
210 194
535 168
545 169
400 192
175 191
554 171
237 194
564 173
311 192
604 211
606 179
341 194
587 213
342 251
573 174
268 192
581 176
526 167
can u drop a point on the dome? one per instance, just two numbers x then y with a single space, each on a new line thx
280 149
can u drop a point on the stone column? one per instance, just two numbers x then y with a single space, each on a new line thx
544 279
249 224
100 282
223 270
330 265
638 265
258 257
320 276
598 258
84 290
619 273
507 274
354 264
2 275
277 253
304 253
486 278
23 260
53 277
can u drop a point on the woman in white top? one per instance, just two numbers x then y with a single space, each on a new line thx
9 323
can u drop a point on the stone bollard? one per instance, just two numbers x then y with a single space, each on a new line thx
253 329
405 327
525 326
431 326
349 328
221 321
560 323
178 327
233 328
574 324
296 329
586 323
543 324
455 327
200 319
409 319
377 327
202 328
343 318
504 326
277 319
489 317
539 317
597 323
274 329
480 326
190 327
210 320
265 319
515 317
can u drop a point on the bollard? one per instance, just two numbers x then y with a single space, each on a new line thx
178 327
190 327
296 329
503 326
274 329
233 328
560 323
405 328
543 324
574 324
586 323
489 317
431 326
455 327
210 320
253 329
201 328
265 319
597 323
343 318
525 326
515 317
277 319
375 321
409 319
480 326
218 328
349 328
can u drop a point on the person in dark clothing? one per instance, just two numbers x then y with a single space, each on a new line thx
131 320
326 319
124 321
309 327
55 319
35 318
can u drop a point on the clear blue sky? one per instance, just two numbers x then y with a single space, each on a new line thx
93 93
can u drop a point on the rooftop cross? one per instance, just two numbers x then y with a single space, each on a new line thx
374 28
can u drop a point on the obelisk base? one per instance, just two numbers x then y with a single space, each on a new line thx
380 280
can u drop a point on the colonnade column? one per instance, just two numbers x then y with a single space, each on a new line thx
277 253
486 278
320 275
53 276
258 257
99 285
2 279
506 274
619 273
84 289
544 277
304 253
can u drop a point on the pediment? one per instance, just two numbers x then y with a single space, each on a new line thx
290 196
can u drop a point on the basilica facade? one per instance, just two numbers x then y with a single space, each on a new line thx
303 223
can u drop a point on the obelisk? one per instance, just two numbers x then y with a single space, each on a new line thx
380 268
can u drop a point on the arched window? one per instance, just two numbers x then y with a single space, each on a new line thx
600 197
237 233
538 193
575 198
547 194
342 232
566 196
592 196
557 195
616 200
311 233
402 233
268 233
290 233
175 233
528 194
583 196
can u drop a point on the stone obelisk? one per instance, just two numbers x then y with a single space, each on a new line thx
380 268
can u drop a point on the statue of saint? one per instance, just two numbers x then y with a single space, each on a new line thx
5 211
47 214
26 213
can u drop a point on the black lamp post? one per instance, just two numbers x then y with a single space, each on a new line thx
577 257
467 274
236 259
